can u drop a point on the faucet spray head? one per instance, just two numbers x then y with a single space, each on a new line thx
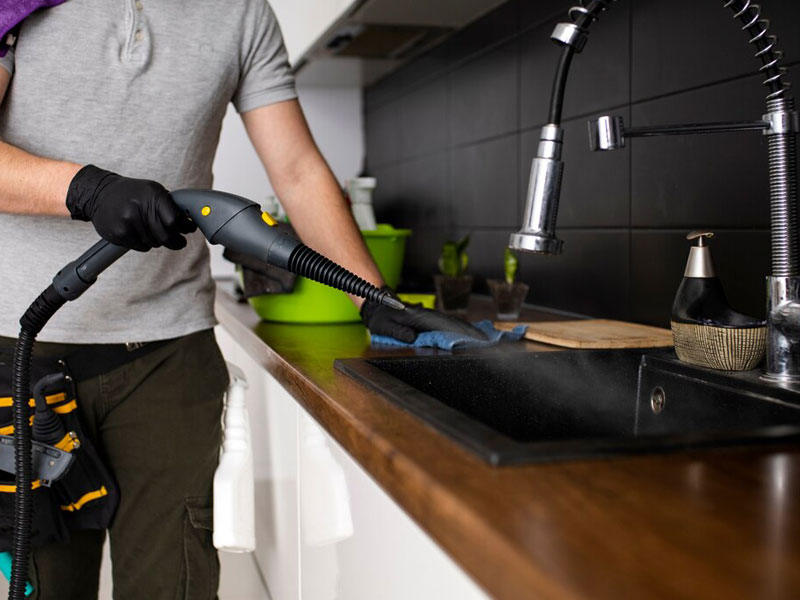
544 190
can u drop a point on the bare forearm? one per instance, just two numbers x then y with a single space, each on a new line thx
33 185
307 188
322 218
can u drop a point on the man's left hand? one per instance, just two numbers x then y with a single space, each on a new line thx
406 325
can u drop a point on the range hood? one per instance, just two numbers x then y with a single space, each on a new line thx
376 36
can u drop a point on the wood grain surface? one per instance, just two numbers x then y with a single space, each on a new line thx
702 524
594 333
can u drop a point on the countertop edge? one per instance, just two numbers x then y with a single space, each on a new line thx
504 571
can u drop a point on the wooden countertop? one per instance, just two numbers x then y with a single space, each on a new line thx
710 524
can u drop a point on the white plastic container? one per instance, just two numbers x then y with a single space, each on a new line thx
325 515
234 492
360 191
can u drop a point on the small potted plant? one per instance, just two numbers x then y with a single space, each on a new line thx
453 286
509 294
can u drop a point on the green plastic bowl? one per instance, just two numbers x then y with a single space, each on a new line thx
312 302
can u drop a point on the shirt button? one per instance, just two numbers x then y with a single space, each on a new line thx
139 6
139 36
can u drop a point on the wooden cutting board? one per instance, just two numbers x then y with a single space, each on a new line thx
594 333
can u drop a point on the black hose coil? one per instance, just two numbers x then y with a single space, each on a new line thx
37 315
306 262
23 499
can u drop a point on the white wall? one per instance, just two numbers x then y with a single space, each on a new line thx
336 120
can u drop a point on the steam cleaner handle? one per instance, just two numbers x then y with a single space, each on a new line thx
81 273
237 224
211 211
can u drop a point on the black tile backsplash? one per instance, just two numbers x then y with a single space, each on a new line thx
450 137
683 44
423 188
484 96
484 183
590 277
701 180
423 120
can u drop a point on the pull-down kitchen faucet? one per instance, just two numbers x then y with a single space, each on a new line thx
780 124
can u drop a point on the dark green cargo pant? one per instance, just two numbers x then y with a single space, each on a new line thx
156 420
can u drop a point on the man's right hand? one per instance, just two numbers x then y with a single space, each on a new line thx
134 213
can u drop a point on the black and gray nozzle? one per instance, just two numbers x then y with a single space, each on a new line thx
544 189
240 224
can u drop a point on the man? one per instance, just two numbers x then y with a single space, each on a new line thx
140 87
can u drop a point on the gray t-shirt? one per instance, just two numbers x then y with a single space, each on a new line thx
139 88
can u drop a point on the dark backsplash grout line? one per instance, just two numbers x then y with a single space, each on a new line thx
629 291
611 229
518 154
579 117
666 229
538 126
544 21
454 65
449 162
447 150
403 92
571 119
750 75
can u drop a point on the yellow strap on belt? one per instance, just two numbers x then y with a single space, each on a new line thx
65 408
51 399
88 497
11 489
68 443
9 429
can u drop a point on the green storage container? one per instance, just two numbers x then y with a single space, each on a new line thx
312 302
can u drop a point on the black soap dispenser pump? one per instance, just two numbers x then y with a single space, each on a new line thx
706 330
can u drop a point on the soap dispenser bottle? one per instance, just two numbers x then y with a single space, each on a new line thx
706 331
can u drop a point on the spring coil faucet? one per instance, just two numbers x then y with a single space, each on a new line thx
780 124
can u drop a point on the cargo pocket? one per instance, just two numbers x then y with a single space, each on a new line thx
200 556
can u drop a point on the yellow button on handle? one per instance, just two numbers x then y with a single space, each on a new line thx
205 211
267 218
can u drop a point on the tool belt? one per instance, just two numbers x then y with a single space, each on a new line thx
72 488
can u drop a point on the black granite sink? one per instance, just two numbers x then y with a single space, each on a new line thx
548 406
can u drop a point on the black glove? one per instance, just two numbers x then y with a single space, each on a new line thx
405 325
134 213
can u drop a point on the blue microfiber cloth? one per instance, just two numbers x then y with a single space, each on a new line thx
446 340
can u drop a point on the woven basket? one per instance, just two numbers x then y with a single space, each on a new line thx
723 348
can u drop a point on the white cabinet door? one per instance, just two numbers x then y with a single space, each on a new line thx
304 21
324 529
356 543
273 422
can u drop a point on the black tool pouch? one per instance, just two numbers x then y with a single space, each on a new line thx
85 497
